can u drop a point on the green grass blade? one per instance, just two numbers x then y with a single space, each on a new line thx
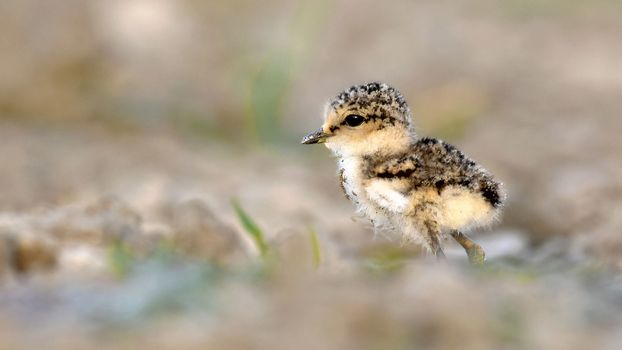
315 246
251 227
120 259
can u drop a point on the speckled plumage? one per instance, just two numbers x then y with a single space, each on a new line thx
433 163
383 99
420 187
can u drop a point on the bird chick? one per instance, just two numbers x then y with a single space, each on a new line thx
422 188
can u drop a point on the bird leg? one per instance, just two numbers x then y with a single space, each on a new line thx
474 251
435 243
437 250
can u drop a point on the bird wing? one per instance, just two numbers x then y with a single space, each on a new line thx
430 162
434 163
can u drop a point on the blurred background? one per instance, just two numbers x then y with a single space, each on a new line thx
153 189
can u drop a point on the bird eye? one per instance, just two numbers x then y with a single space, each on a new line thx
354 120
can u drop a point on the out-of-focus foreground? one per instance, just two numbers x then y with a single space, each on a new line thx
153 191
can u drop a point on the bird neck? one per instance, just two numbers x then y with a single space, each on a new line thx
390 142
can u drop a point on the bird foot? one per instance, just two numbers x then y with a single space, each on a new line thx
474 251
476 255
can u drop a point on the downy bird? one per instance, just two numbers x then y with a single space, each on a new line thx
421 187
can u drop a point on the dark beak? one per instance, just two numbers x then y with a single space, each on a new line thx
318 136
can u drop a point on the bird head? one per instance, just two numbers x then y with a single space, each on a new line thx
365 120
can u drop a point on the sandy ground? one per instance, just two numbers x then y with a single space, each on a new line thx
132 241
